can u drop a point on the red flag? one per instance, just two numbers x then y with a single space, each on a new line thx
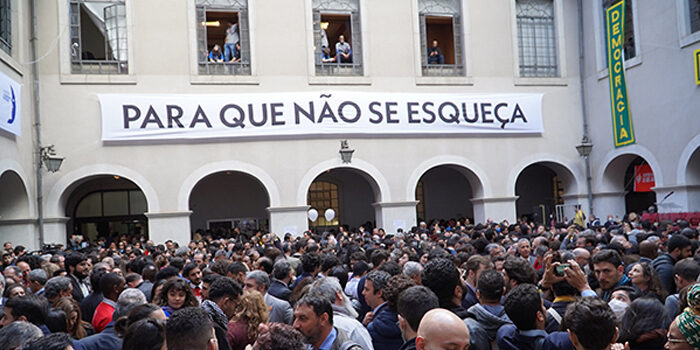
643 178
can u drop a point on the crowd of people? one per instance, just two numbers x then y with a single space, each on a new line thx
231 51
625 284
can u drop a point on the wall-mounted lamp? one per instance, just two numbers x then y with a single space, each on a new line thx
50 160
345 151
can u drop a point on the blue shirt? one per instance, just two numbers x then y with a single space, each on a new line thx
328 343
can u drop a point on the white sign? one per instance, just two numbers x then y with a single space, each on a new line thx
127 117
10 105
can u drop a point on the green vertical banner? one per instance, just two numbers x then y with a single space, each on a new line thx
621 118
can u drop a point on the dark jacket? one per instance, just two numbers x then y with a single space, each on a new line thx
279 289
510 338
383 329
107 340
409 344
664 267
488 321
220 322
146 287
89 304
552 323
469 299
77 292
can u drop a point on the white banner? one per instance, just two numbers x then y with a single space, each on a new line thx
128 117
10 105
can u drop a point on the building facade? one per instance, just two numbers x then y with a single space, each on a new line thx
169 188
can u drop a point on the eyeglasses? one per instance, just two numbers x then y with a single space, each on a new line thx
674 340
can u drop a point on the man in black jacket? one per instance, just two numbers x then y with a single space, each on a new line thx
224 295
78 269
679 248
413 304
281 277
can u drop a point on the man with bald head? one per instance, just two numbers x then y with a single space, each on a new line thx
442 329
582 257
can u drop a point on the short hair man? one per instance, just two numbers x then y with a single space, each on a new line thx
474 266
442 277
489 314
190 329
591 324
524 307
237 270
78 268
609 271
29 308
517 271
344 314
381 321
280 310
413 270
17 334
685 273
224 294
310 265
442 329
313 317
412 305
282 275
678 248
111 285
193 275
58 287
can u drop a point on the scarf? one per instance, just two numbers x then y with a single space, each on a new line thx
215 313
689 319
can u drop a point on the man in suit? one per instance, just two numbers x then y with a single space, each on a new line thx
78 268
280 310
281 277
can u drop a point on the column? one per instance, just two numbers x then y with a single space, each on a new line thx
609 203
394 215
494 208
292 220
169 225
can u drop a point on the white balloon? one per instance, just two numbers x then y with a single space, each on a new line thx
329 214
312 214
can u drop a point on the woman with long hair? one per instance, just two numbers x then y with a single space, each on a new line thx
76 327
176 294
250 313
645 324
645 277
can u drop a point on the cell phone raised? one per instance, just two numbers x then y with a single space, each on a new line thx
560 269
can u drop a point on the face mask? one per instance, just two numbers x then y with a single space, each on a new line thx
618 307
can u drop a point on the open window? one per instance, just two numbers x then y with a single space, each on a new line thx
98 37
694 13
6 26
629 46
441 37
337 39
222 35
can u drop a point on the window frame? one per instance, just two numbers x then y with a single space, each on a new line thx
466 79
66 75
685 37
599 25
334 186
78 64
242 67
457 69
312 77
560 36
18 10
6 44
221 79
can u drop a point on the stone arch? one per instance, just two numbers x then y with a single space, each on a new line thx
614 159
369 172
560 165
259 174
687 163
481 186
8 165
62 189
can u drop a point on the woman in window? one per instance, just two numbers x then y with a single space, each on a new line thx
216 55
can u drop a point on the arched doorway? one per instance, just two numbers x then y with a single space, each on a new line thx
541 189
445 192
14 202
106 206
349 192
224 201
692 181
633 177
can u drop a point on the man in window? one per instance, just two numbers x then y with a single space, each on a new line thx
435 54
232 38
343 51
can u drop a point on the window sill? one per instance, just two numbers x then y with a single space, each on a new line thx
550 81
444 81
690 39
224 80
97 79
628 64
10 62
340 80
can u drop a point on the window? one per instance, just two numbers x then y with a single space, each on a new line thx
337 37
112 203
537 43
223 37
441 37
98 37
6 26
629 46
694 12
324 195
